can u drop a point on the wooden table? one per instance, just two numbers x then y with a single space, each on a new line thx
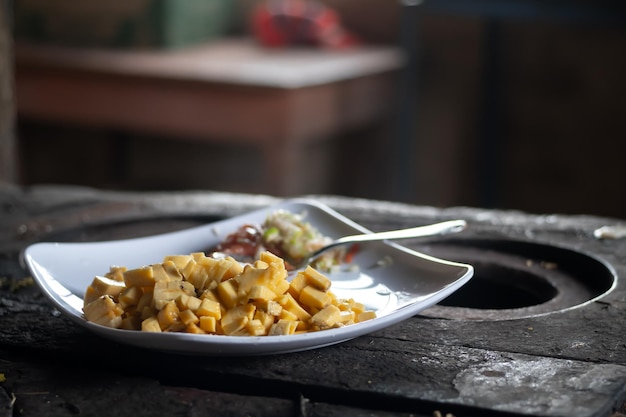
569 363
228 91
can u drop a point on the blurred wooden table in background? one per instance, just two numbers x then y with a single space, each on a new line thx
228 91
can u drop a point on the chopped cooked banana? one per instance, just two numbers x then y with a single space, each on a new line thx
202 295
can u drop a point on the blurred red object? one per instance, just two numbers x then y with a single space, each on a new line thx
279 23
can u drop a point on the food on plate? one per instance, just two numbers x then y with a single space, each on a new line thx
199 294
286 235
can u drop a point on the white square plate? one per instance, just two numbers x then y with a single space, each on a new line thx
405 284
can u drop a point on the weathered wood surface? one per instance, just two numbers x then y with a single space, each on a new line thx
571 363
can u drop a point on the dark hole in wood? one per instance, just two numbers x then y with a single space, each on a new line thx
499 287
516 279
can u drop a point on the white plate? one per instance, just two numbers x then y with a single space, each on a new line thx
396 291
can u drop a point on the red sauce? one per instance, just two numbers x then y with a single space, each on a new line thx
245 244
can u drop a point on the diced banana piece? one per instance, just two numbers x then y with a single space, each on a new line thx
255 327
317 279
312 297
166 291
140 277
327 317
261 293
227 292
188 302
130 296
283 327
116 273
208 324
297 285
364 316
168 315
178 260
193 328
236 318
187 317
151 324
107 286
209 308
290 303
104 311
270 307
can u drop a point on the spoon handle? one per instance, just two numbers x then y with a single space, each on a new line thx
442 228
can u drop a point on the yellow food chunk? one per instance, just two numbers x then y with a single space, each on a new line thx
107 286
346 317
167 271
178 260
130 296
287 315
104 311
261 293
272 277
208 324
269 258
220 269
146 298
255 327
151 324
281 287
210 294
312 297
234 326
166 291
194 329
358 308
283 327
290 303
203 295
116 273
251 277
209 308
316 279
168 315
140 277
227 293
197 275
297 285
327 317
91 294
266 319
259 264
364 316
187 317
188 302
236 318
303 327
270 307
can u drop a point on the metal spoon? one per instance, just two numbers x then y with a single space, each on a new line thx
443 228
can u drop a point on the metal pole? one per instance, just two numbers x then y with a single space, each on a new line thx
407 104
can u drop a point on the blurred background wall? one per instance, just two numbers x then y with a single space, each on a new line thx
7 108
559 133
